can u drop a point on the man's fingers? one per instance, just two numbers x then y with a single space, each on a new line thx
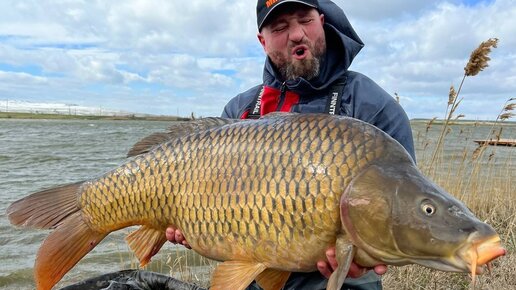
332 259
176 237
179 237
324 268
327 267
356 271
170 233
380 269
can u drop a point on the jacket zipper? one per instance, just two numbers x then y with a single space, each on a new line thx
283 90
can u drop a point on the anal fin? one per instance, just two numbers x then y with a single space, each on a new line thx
145 242
235 275
272 279
344 251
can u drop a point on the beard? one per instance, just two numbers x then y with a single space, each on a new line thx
307 68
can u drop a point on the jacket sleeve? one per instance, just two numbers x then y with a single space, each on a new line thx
239 104
374 105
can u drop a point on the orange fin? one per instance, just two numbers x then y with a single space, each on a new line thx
345 251
272 279
62 249
45 209
235 275
145 243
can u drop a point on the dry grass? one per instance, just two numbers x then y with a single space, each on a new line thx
180 261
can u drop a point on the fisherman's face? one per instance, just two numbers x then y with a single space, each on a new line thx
294 40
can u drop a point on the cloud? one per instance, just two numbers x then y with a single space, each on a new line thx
168 57
422 56
21 77
379 10
203 28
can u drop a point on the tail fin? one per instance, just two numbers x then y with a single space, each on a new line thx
72 238
45 209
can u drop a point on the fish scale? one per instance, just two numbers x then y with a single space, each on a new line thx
266 197
242 198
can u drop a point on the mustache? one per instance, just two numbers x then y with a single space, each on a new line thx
291 44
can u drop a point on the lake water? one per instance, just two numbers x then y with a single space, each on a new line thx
37 154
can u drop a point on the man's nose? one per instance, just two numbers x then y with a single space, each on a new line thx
296 33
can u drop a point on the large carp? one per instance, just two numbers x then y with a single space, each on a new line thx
266 197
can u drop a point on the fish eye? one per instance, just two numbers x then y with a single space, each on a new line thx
428 209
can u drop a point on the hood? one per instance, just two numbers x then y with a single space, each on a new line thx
343 44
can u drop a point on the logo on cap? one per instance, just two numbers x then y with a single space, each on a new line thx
269 3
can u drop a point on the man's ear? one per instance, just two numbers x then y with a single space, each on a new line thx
261 39
322 18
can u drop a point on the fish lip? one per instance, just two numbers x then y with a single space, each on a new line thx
479 251
489 249
475 252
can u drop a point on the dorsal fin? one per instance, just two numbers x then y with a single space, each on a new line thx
278 115
176 130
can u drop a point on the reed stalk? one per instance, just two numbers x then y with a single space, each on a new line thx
478 61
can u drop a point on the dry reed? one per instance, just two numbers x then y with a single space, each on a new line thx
479 58
478 61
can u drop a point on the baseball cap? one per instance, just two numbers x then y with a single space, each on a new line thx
265 7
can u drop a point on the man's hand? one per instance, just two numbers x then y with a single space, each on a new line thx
176 237
355 271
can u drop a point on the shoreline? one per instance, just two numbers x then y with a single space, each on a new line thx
463 122
33 116
42 116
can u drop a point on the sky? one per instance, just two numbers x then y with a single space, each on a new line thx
177 57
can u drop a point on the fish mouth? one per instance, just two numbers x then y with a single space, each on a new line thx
478 253
472 257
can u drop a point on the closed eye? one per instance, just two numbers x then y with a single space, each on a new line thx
278 29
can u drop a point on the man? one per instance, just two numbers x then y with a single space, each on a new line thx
310 45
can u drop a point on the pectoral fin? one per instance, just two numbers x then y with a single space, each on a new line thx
272 279
145 243
235 275
345 251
